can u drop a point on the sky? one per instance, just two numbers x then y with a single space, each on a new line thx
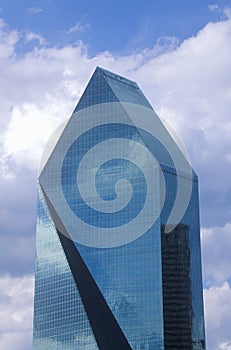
179 53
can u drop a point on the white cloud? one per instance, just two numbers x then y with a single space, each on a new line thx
216 244
192 82
225 345
16 295
29 129
8 39
34 10
33 36
217 310
213 7
80 26
227 12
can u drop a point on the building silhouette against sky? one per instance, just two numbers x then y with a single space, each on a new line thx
118 262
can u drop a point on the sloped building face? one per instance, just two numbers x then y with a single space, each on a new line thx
118 244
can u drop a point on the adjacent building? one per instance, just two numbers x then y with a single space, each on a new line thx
118 258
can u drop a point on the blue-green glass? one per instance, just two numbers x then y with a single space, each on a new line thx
60 321
129 276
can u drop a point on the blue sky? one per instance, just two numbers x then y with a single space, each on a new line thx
179 54
120 27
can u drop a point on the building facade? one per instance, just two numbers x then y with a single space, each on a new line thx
118 259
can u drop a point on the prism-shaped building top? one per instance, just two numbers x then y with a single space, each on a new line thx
118 262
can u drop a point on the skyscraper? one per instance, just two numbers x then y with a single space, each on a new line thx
118 262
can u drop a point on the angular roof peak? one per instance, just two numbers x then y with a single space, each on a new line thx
116 76
106 87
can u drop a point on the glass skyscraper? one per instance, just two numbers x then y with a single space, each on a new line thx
118 260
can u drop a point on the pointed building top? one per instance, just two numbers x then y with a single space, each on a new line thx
105 87
118 77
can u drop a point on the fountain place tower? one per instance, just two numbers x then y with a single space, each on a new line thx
118 257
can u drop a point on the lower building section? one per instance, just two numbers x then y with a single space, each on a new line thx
94 299
60 319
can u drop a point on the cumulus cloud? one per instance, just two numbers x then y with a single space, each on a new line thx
188 84
28 130
216 243
16 299
191 88
217 311
33 36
